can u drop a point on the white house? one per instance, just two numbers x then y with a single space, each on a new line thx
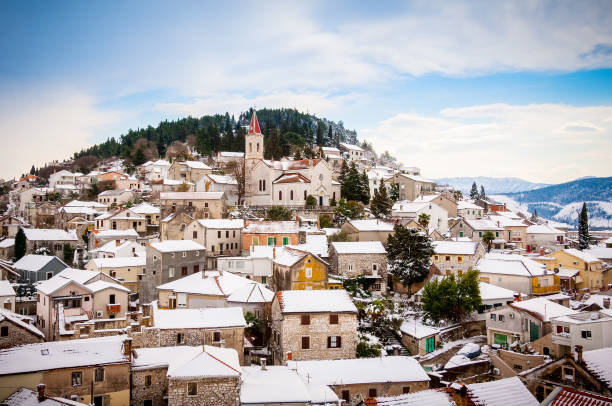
438 217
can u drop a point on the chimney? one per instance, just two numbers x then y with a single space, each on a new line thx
117 243
606 302
578 349
273 252
542 251
41 392
263 364
127 347
289 356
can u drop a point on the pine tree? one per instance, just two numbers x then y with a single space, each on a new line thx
20 244
482 192
330 135
380 206
365 188
583 229
474 192
320 141
32 170
534 216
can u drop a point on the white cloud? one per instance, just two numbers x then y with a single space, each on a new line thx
543 142
42 125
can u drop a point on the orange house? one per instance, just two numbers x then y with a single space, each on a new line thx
112 175
270 233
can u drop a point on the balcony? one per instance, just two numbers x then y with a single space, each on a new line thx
113 308
542 290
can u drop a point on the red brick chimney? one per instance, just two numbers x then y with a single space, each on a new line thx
289 356
127 348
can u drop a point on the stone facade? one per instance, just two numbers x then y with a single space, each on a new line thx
361 264
16 335
354 394
209 392
154 388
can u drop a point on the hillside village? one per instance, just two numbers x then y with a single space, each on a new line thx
325 276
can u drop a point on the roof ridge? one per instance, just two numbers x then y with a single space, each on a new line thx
224 363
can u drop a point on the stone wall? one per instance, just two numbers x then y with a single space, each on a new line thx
520 362
210 392
17 336
361 265
359 391
155 392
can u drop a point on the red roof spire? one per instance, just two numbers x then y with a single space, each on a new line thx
254 127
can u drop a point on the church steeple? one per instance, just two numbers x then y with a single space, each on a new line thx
254 140
254 127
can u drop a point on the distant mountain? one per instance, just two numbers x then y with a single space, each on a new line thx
563 202
491 185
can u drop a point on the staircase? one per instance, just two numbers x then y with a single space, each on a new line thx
389 339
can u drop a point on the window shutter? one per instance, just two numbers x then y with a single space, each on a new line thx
339 342
328 342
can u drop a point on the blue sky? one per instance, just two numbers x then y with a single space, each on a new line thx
458 89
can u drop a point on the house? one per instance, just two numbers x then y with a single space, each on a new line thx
360 258
74 370
223 158
424 397
171 185
115 197
76 295
490 205
167 261
588 329
121 219
368 230
456 257
53 239
564 395
409 186
313 324
188 171
515 230
438 217
127 270
441 199
63 177
220 183
585 371
43 215
156 170
11 224
149 212
7 248
119 248
199 205
525 321
280 385
216 289
544 236
468 210
98 238
7 295
221 237
16 329
355 379
201 374
270 233
508 391
25 396
590 267
295 269
172 227
352 152
220 327
254 266
70 214
518 273
419 338
475 229
35 268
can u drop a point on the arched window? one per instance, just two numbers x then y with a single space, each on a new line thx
305 195
280 195
291 195
257 147
250 147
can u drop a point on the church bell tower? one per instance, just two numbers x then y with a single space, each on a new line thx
254 140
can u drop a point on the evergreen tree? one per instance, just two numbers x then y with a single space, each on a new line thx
482 192
409 253
139 157
381 203
32 170
457 195
534 216
452 298
423 220
583 229
20 244
488 238
474 192
394 192
365 188
320 131
68 254
298 154
330 135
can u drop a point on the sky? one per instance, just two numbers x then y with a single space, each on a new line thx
478 88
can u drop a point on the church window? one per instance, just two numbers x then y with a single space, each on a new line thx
257 147
280 195
250 147
291 195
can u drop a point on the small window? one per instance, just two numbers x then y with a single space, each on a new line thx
99 376
568 373
192 388
305 343
77 379
171 272
586 334
405 389
195 234
184 254
147 380
346 396
216 336
493 317
460 259
305 320
436 258
375 267
334 342
501 317
4 331
285 240
180 338
309 272
447 258
372 392
333 319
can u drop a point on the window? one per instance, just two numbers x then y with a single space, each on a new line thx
372 392
568 373
334 342
192 388
376 287
480 233
447 258
184 254
264 184
405 389
305 195
493 317
305 343
196 268
218 234
333 319
280 195
77 378
436 258
234 234
375 267
460 259
305 320
170 272
180 338
501 317
111 299
195 234
255 241
184 271
99 375
197 253
586 334
49 275
350 267
216 336
270 240
291 195
497 233
346 396
4 331
309 272
147 380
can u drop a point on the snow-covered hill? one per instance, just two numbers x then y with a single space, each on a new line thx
491 185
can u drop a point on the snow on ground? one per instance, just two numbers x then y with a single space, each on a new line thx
448 346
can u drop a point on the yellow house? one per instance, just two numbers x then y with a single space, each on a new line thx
589 267
126 270
295 269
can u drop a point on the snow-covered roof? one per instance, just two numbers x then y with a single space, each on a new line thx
504 221
288 256
29 397
272 227
222 317
98 286
7 242
194 164
21 321
145 208
361 370
78 210
210 362
482 225
415 328
119 262
49 234
316 301
464 205
191 195
34 263
599 362
315 244
63 354
542 308
503 392
416 178
351 146
359 247
583 255
222 223
274 385
455 247
372 225
114 192
116 233
251 293
113 248
406 206
508 264
231 154
428 397
6 289
543 229
600 253
177 245
66 276
175 182
223 179
492 292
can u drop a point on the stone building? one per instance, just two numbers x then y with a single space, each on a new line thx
313 324
456 257
369 230
221 237
295 269
172 227
16 330
410 186
116 197
53 239
121 220
360 258
185 375
220 183
199 205
188 171
475 229
168 261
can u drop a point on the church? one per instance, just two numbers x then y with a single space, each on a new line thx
285 182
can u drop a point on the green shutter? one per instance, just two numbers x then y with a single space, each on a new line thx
270 241
500 339
430 344
285 240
